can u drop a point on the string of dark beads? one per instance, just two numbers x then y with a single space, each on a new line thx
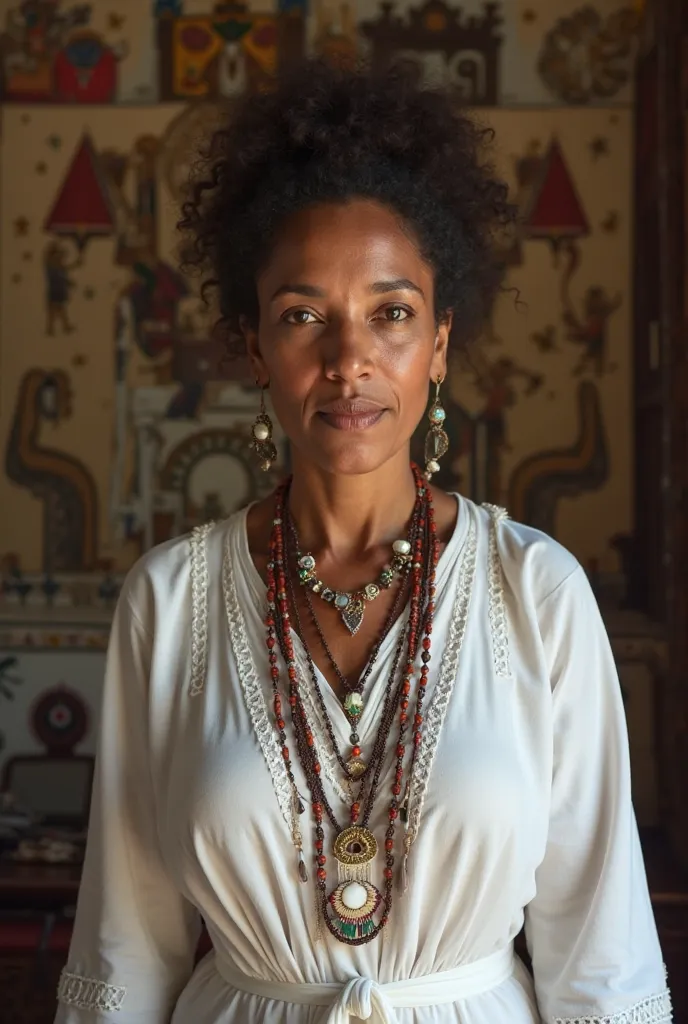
386 722
360 684
300 721
278 631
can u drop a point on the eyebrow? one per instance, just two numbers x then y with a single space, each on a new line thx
400 284
309 290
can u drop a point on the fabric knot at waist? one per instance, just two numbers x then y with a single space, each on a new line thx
369 1000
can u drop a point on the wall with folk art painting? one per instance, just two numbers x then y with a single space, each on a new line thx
119 426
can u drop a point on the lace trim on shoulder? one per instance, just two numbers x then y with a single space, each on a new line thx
444 686
253 693
199 608
654 1010
89 994
499 629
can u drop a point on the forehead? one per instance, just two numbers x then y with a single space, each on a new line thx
357 242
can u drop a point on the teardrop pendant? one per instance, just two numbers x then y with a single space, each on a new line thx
352 615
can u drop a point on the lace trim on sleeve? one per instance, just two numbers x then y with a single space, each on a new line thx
497 612
654 1010
199 608
89 994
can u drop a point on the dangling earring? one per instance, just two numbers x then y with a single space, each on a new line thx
262 442
436 440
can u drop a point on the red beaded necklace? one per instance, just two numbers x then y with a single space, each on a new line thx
349 909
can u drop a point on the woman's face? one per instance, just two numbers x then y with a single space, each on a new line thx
347 336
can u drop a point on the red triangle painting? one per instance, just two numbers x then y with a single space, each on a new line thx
82 207
555 211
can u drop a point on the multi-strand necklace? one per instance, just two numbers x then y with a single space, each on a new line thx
355 768
350 908
353 692
351 604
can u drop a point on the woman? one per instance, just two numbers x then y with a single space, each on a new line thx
363 728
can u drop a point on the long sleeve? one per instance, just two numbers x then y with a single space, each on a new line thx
590 928
135 934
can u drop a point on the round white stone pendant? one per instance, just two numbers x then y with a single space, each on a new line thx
401 547
354 896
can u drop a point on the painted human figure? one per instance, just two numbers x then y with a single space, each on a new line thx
58 286
34 31
226 74
231 69
124 343
590 329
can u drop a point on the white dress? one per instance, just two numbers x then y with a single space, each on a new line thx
523 803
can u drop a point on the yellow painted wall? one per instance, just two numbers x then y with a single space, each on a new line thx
32 167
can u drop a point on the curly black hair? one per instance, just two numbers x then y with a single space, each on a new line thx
329 134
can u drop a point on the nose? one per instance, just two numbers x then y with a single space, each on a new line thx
347 352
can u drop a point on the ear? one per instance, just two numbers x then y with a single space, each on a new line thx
438 367
250 334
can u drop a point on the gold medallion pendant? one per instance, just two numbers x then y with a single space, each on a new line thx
355 899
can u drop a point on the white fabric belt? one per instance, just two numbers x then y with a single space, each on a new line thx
369 1000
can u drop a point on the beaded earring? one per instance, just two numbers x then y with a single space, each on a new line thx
436 440
262 442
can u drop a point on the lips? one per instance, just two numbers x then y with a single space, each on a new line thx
351 414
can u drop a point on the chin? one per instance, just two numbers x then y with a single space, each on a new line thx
351 458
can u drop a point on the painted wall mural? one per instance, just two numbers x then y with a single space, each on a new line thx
59 481
228 50
585 55
443 44
495 52
50 52
121 423
542 479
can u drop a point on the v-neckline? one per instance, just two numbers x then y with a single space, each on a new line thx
374 692
373 698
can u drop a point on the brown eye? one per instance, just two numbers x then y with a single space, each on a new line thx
300 316
395 314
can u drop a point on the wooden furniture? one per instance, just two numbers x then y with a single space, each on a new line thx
56 787
668 882
34 937
660 579
38 887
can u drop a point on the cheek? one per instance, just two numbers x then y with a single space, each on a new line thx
291 365
293 377
416 399
410 362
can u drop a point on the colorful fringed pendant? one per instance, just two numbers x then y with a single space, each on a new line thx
354 904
